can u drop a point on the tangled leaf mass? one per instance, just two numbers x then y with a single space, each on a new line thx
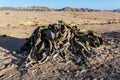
59 42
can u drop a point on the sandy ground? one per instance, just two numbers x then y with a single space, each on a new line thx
15 26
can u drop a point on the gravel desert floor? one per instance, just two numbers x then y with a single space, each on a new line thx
15 26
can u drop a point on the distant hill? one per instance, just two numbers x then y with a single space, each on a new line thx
116 10
38 8
33 8
78 9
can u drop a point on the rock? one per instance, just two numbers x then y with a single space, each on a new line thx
77 73
14 52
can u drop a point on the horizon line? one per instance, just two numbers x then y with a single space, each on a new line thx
54 8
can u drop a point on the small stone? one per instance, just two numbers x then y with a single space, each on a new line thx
83 71
99 55
114 46
14 52
77 73
116 52
112 43
108 47
68 71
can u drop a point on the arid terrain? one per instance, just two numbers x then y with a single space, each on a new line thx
15 26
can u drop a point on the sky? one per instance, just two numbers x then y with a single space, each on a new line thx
94 4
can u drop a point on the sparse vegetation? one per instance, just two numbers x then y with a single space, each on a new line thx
7 13
8 25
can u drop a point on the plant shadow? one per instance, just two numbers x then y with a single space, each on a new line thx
113 35
10 45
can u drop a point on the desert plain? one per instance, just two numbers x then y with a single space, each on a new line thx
15 26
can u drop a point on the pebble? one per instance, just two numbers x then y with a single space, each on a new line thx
68 71
114 47
77 73
83 71
14 52
108 47
116 52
